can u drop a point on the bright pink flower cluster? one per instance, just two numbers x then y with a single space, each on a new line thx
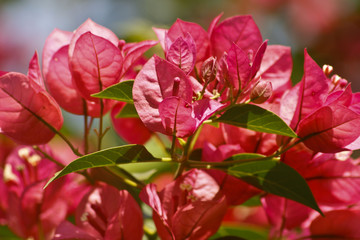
195 95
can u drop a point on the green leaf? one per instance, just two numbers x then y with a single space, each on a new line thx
105 158
256 118
246 157
6 233
247 232
121 91
277 178
128 111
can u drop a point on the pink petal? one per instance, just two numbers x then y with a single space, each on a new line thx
61 87
59 83
34 72
106 211
161 34
176 117
130 219
213 24
284 211
95 65
95 29
290 106
199 220
133 51
343 97
181 29
239 67
204 109
334 183
19 103
150 196
235 190
276 66
256 62
241 30
68 231
333 128
338 224
250 141
56 40
182 53
131 130
154 83
211 134
313 90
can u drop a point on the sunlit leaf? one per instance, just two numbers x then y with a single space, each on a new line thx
256 118
245 157
240 232
121 91
105 158
277 178
128 111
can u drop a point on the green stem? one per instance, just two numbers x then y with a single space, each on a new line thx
197 164
173 145
86 128
179 170
100 134
50 158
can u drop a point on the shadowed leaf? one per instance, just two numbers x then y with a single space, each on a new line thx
277 178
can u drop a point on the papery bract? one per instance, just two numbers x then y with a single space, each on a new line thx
284 213
60 85
176 117
337 224
94 28
197 211
308 95
334 182
24 105
241 30
32 211
96 64
154 83
163 99
56 40
105 213
276 67
182 53
330 129
34 72
235 190
133 52
239 67
182 28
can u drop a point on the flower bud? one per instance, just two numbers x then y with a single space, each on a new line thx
176 85
338 81
261 92
208 69
327 69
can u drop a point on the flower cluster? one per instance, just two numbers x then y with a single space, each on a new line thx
219 106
